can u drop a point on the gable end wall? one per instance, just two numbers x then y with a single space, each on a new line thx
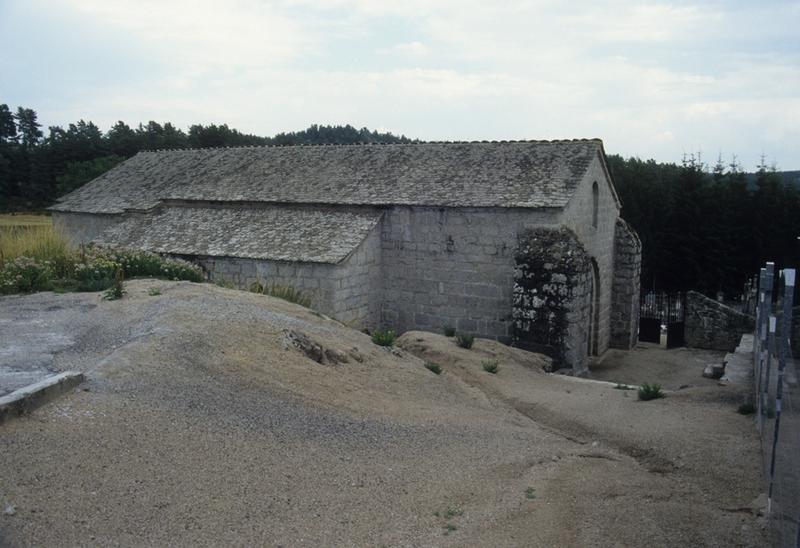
598 241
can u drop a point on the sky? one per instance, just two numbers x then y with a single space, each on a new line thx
653 80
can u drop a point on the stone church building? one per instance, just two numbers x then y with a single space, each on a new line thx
516 241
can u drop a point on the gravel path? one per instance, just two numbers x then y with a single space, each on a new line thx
200 425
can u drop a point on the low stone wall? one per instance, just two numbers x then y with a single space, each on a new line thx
626 287
552 297
713 325
347 291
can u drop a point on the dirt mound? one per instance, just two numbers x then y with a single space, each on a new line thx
213 416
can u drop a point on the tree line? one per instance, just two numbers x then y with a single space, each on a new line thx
702 227
706 227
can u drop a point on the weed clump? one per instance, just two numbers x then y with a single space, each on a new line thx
530 493
449 331
285 292
650 392
433 367
746 409
383 337
465 340
490 366
116 291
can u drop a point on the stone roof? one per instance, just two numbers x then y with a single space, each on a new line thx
476 174
277 233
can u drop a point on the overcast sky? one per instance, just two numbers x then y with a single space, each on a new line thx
654 80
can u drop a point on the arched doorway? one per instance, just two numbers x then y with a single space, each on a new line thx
594 313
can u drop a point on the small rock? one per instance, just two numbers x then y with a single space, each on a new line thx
336 356
714 371
304 344
10 510
356 355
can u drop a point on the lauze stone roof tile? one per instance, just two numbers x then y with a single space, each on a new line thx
275 233
477 174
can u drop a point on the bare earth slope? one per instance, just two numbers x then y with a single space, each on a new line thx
202 423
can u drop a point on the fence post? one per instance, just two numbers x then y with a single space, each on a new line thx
767 364
763 311
783 348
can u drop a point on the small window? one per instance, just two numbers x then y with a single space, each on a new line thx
595 203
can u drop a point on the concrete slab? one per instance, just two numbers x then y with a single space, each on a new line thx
30 397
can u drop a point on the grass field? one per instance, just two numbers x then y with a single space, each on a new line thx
24 220
30 235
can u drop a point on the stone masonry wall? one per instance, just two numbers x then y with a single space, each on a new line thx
81 228
452 267
347 291
356 298
552 297
713 325
597 240
626 287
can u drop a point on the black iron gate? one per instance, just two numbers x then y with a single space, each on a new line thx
661 309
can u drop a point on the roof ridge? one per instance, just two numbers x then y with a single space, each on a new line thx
384 143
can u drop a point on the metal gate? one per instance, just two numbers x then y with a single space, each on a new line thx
661 309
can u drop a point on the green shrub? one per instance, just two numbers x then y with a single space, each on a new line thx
136 262
650 392
383 337
52 264
154 292
434 367
465 340
746 409
23 275
490 366
449 331
95 275
530 493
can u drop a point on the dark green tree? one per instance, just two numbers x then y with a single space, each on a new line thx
28 127
8 129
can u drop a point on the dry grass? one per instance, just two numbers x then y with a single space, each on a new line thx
33 236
